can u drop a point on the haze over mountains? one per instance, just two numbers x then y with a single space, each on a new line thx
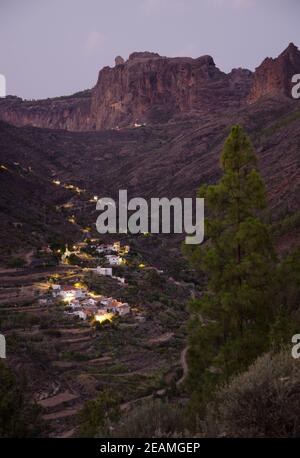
187 105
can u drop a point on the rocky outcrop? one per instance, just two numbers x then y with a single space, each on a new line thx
274 76
69 113
146 88
152 88
149 88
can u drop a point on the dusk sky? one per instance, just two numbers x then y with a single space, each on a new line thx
57 47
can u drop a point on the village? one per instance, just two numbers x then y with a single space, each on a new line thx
94 313
99 312
79 301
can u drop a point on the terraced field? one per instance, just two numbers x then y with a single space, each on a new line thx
66 361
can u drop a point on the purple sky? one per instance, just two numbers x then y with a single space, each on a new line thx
56 47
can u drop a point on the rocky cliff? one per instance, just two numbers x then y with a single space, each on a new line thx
273 76
70 113
149 88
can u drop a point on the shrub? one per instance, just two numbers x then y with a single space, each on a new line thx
152 419
18 418
262 402
98 414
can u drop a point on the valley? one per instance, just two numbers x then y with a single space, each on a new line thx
154 126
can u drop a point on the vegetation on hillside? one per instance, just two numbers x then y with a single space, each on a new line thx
18 418
251 304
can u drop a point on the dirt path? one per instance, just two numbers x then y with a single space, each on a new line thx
162 338
28 257
184 365
5 270
60 398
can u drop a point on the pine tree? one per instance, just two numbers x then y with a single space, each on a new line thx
230 323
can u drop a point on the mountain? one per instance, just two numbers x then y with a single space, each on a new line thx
154 89
145 88
188 106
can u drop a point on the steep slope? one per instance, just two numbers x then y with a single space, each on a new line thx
163 160
29 201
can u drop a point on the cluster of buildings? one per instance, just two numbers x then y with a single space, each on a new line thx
113 253
112 249
89 306
84 304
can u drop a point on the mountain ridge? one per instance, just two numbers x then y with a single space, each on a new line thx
149 88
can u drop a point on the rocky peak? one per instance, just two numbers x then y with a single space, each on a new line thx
143 55
291 51
274 76
150 87
119 60
206 60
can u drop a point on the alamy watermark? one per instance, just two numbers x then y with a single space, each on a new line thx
296 88
296 347
2 86
164 216
2 346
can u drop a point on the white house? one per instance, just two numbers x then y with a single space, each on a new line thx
69 293
80 293
75 305
56 287
113 259
118 307
107 271
89 302
123 309
56 290
105 301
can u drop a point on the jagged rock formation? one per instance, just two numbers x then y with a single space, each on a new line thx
274 76
119 60
152 88
155 89
145 88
